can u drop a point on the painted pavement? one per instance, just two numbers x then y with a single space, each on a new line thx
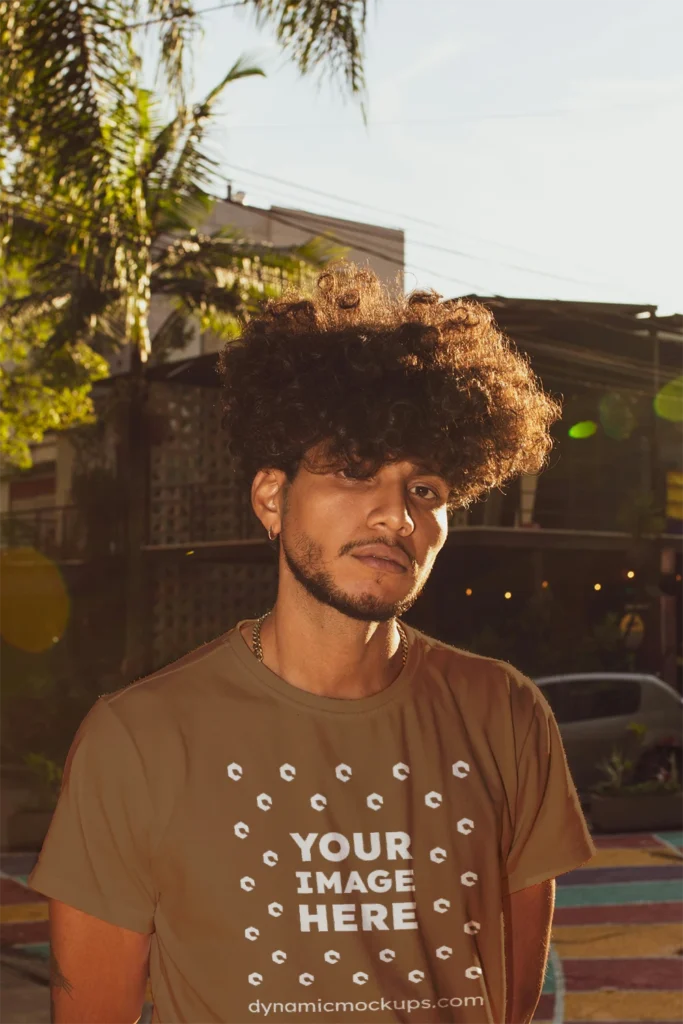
617 940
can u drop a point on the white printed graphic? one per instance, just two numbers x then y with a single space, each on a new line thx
375 801
318 802
287 772
235 771
241 830
332 956
465 825
255 979
416 976
438 855
275 909
279 957
443 952
264 801
387 955
472 928
306 979
270 858
360 977
247 883
343 772
442 905
473 973
252 934
433 799
401 771
461 769
469 878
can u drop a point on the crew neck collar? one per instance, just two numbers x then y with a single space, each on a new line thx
334 705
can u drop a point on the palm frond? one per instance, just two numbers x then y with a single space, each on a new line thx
322 35
65 68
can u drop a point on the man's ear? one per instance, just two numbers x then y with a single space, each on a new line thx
268 492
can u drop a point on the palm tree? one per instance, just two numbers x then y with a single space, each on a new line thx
102 205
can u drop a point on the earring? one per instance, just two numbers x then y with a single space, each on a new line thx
269 536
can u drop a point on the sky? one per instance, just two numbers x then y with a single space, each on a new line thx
527 148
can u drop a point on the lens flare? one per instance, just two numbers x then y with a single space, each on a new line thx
584 429
668 402
34 602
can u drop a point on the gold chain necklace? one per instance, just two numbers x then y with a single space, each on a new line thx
258 649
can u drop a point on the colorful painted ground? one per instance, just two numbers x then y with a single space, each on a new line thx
617 940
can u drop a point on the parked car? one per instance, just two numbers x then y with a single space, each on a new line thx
593 711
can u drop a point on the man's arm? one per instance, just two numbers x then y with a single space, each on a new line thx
98 971
527 916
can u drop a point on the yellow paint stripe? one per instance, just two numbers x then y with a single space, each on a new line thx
616 940
635 1005
614 857
22 913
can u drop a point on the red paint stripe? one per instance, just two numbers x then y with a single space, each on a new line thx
624 973
634 913
24 931
15 892
545 1008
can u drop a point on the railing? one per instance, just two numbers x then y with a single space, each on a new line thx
57 532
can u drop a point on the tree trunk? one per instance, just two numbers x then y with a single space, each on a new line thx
133 468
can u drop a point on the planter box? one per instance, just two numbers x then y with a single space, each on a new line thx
642 812
26 830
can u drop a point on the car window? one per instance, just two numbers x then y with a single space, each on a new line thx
579 700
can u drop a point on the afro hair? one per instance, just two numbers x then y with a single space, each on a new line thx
377 377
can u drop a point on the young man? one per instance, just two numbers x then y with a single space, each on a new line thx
325 814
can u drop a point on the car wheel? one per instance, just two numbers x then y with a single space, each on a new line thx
655 760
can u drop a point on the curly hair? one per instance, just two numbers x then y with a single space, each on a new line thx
374 377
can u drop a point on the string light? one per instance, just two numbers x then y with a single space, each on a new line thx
597 586
630 574
545 584
508 595
469 592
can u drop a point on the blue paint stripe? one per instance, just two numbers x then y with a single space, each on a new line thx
617 893
675 838
41 950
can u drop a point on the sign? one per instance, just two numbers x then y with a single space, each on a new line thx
632 628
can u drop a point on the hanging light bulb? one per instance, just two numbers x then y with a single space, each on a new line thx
545 584
469 592
597 586
630 574
508 595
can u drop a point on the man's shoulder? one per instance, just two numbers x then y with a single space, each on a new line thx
464 666
184 678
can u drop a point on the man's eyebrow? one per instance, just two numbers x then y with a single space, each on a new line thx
425 467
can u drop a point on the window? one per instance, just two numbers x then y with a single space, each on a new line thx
579 700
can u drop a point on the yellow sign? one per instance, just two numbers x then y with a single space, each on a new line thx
632 628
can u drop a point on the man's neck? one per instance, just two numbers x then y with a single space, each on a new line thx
338 663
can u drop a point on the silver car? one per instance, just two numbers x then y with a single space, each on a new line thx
594 710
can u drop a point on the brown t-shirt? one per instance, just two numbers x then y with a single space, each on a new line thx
307 859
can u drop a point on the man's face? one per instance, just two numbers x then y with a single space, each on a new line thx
329 518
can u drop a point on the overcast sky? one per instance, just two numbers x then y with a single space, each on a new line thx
544 135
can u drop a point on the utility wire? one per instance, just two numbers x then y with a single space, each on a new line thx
184 14
404 217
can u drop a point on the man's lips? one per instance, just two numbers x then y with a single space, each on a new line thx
374 561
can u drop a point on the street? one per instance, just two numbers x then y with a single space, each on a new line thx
616 951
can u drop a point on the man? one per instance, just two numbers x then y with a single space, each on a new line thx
325 814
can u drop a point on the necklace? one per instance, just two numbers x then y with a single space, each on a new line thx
258 650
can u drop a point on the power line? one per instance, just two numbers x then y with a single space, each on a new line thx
184 14
417 220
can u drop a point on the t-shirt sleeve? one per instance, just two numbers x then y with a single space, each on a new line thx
550 835
96 854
